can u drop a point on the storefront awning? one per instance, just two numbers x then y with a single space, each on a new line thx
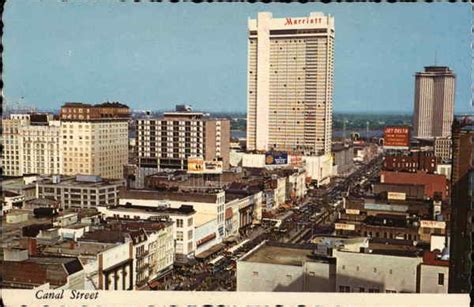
212 250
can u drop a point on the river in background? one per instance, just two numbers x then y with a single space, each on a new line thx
335 133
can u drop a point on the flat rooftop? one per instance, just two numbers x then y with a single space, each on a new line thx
209 196
282 254
185 210
79 249
71 181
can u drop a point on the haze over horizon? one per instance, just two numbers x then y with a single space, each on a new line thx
153 56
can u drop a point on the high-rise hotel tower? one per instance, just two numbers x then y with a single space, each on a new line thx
434 102
290 83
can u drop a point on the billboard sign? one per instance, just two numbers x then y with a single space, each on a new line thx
432 224
342 226
396 196
396 137
352 211
276 158
296 160
199 166
213 167
195 165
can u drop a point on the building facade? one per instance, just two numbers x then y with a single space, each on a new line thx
434 102
80 191
461 206
290 83
31 145
94 139
442 148
167 142
413 161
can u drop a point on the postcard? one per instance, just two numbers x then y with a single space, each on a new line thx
236 154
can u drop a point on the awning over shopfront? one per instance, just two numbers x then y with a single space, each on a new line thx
212 250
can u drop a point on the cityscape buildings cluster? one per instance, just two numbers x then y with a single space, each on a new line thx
96 197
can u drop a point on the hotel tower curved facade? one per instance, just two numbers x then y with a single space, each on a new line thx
290 83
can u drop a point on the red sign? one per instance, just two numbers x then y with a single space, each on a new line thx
396 137
206 239
300 21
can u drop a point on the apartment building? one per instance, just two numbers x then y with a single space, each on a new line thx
94 139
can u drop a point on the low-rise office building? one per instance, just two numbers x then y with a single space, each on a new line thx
279 267
80 191
205 201
410 161
183 218
377 271
343 156
433 183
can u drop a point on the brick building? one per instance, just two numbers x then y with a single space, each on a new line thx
433 183
412 162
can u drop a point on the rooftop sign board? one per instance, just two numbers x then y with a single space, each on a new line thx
396 137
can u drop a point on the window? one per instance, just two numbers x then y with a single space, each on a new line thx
179 223
255 273
361 289
440 279
390 291
375 270
190 234
344 289
179 236
371 290
190 222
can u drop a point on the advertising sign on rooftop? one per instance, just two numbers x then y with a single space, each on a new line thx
276 158
195 165
396 137
199 166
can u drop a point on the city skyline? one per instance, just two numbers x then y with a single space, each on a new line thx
93 66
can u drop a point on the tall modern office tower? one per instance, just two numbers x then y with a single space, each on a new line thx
434 102
462 202
290 83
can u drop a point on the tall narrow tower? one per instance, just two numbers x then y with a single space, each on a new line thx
434 102
290 83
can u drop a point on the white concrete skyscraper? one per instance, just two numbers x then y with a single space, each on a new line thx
434 102
290 83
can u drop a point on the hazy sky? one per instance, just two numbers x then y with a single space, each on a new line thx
153 56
